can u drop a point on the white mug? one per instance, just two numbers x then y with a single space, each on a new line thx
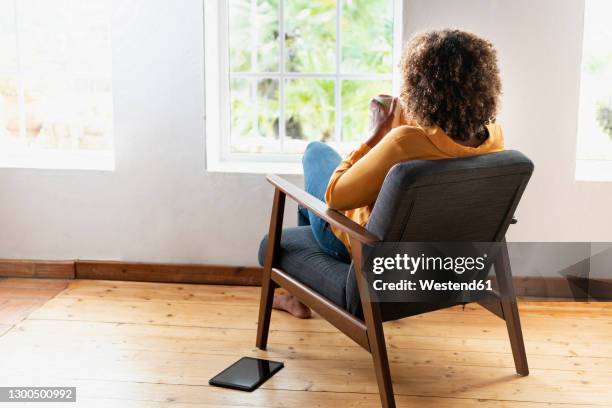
385 101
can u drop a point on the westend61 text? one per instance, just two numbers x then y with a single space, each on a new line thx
431 285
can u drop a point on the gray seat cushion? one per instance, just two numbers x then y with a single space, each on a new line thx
301 258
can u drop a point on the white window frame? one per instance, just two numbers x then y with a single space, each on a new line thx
593 170
588 169
37 158
217 102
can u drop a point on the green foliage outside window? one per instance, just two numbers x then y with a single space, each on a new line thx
309 48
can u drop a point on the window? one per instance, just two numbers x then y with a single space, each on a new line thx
594 148
282 73
55 84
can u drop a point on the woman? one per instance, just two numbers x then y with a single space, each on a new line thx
446 108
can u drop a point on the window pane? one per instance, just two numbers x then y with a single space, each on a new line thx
65 35
254 38
66 69
356 96
268 40
310 48
239 33
254 115
9 110
8 53
367 36
595 115
309 112
68 112
310 35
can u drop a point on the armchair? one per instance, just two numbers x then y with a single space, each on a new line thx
464 199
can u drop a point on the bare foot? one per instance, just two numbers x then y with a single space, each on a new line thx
289 303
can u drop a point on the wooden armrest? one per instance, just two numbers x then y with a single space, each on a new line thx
318 207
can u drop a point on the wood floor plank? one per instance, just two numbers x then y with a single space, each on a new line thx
122 394
136 344
15 310
129 291
319 375
20 296
27 293
89 310
51 335
444 380
460 325
35 283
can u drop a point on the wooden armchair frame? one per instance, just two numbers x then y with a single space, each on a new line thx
369 332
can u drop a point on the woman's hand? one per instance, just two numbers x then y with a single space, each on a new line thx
381 120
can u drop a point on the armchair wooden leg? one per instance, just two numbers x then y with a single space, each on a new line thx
376 336
513 323
265 311
267 285
503 274
378 349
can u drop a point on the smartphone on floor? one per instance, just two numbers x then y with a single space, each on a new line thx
246 374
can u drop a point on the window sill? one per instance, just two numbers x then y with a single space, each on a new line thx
253 167
594 170
58 160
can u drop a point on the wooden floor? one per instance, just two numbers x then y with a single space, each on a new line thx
20 297
127 344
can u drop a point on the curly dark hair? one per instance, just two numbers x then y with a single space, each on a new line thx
451 80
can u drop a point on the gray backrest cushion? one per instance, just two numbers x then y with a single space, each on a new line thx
463 199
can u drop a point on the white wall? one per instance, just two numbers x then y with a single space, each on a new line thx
161 206
539 45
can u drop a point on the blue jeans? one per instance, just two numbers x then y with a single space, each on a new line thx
319 163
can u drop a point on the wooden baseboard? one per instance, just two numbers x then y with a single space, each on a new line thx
539 286
16 268
530 287
169 273
563 288
131 271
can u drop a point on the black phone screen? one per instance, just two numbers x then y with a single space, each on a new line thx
246 374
